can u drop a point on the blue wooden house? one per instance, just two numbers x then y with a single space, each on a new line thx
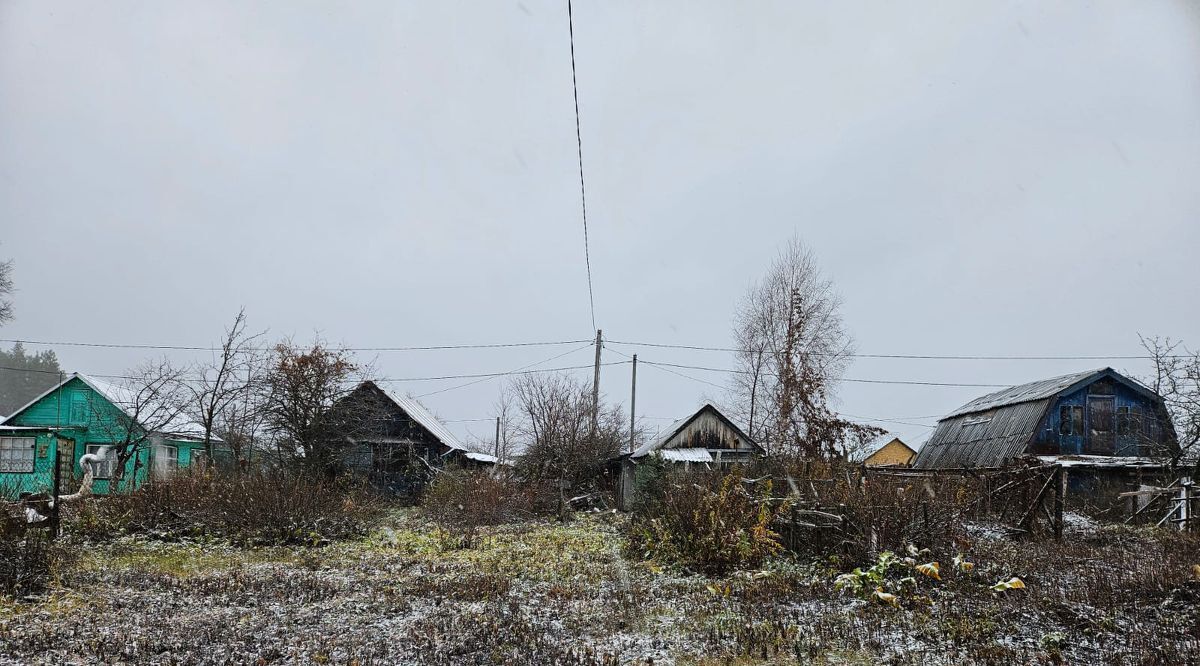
81 415
1095 413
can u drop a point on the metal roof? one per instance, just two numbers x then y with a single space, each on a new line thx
995 429
1039 390
126 399
425 418
686 455
963 441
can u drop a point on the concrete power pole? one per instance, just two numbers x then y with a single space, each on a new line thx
633 405
596 388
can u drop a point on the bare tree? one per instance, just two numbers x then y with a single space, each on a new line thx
792 350
301 388
150 404
6 290
1175 377
224 383
553 426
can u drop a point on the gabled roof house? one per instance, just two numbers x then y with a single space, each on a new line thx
886 450
396 440
82 414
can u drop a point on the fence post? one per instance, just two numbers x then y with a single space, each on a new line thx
56 508
1060 497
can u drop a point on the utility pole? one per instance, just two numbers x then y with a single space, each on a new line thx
596 388
633 405
497 439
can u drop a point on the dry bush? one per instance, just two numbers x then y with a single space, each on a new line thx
707 522
263 507
463 500
29 560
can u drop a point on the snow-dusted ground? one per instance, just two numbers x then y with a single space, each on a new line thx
543 593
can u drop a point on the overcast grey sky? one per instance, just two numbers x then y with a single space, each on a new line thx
995 178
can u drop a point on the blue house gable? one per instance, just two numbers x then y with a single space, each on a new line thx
1105 418
1098 412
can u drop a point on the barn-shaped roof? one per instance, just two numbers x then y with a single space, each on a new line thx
670 431
993 429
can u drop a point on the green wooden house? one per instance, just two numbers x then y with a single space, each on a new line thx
83 415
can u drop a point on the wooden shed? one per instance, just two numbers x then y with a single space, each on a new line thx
708 437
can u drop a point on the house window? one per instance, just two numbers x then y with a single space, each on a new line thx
166 461
1127 418
1070 420
101 469
16 454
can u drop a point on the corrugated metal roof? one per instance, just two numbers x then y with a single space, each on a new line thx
994 429
1039 390
971 441
427 420
686 455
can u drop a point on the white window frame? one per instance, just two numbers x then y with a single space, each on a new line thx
165 461
15 452
102 469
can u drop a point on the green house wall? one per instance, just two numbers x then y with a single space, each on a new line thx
75 415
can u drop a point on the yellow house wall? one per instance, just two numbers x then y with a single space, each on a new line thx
894 453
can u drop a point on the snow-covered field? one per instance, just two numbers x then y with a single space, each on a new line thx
544 593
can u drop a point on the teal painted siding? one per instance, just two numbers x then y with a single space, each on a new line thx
12 484
81 417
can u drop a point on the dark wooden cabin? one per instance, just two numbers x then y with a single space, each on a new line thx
1094 413
396 441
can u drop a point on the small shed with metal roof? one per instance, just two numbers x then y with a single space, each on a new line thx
706 437
1096 412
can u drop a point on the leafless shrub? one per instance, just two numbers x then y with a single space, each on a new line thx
260 507
25 561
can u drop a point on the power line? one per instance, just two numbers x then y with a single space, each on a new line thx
857 381
907 423
105 345
926 357
524 367
379 379
551 343
587 255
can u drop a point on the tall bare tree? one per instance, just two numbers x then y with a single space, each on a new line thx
301 388
1176 377
225 382
793 348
